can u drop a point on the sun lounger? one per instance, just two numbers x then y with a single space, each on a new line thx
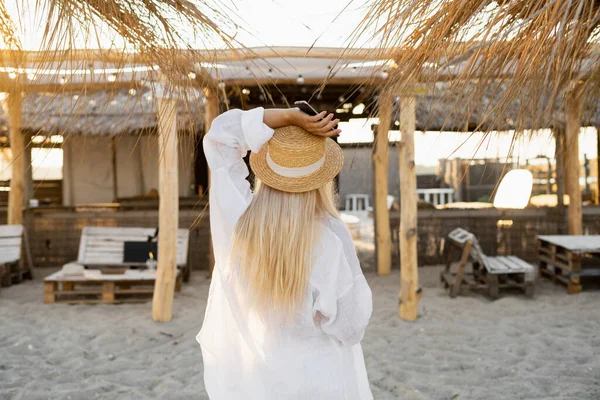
13 251
489 273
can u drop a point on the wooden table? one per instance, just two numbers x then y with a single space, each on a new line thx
567 258
95 287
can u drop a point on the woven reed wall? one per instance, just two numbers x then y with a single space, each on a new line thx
54 236
515 235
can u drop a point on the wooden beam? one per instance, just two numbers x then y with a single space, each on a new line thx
257 81
28 178
68 178
78 87
168 211
140 167
597 165
115 172
125 57
211 111
409 273
17 147
383 237
574 106
559 137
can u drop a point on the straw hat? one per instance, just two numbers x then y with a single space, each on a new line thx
297 161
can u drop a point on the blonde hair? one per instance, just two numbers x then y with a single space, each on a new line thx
274 242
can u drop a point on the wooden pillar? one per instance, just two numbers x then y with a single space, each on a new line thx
597 165
574 105
559 137
140 166
168 211
68 191
28 179
115 178
17 147
211 111
409 274
383 237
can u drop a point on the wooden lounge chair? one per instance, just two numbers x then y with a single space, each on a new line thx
14 248
489 273
105 247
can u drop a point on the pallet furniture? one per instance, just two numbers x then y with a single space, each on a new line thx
567 258
104 247
489 273
95 287
15 257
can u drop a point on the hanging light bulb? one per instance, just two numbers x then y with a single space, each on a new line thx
12 75
300 80
192 75
246 91
132 92
112 78
384 74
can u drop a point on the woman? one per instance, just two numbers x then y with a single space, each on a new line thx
288 303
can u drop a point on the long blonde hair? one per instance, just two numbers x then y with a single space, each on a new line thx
274 242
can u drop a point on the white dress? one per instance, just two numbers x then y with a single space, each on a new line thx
256 357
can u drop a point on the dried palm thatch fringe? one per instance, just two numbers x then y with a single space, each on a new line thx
164 35
532 52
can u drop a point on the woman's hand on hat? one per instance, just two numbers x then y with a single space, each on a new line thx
320 124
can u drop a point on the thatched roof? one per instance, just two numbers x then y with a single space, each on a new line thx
98 113
540 51
131 112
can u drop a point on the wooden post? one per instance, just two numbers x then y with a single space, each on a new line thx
113 154
28 178
559 136
68 179
17 148
597 165
383 237
409 274
168 211
211 111
140 166
574 105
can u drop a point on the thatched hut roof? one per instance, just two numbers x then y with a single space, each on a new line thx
539 51
98 113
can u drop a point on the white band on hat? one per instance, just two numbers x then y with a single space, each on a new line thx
294 172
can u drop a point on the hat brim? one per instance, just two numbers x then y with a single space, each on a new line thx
334 161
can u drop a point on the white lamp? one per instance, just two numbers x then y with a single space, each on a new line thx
514 190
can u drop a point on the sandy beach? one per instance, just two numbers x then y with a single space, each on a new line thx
464 348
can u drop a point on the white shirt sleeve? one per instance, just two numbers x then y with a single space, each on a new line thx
342 297
229 139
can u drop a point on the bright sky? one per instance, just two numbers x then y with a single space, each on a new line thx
265 22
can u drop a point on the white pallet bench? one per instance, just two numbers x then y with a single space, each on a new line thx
14 251
489 273
105 247
93 286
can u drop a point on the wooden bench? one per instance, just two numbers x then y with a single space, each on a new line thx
95 287
489 273
568 258
14 249
105 247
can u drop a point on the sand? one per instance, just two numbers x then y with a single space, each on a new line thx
464 348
